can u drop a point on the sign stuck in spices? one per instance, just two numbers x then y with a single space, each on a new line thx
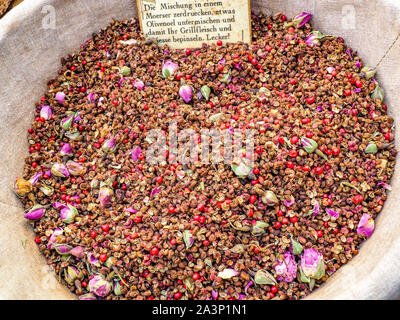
190 23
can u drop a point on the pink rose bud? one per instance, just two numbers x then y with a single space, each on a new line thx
35 213
366 225
110 145
168 69
186 93
77 252
35 178
300 20
99 286
139 84
59 170
66 150
67 212
60 97
46 112
75 168
312 264
72 273
54 238
105 195
286 269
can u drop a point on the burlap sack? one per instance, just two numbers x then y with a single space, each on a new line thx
30 50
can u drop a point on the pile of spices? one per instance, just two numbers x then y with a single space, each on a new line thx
113 226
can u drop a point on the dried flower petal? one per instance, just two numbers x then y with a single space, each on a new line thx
366 225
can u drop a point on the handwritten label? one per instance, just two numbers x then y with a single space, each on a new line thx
190 23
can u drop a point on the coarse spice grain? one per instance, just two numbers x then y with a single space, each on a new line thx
114 226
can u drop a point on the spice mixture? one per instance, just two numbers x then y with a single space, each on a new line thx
114 226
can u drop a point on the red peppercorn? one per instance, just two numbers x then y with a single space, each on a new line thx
188 76
306 168
219 43
293 153
137 219
310 100
159 179
93 234
336 151
206 243
387 136
196 276
115 102
320 233
177 295
256 171
171 209
293 219
253 198
347 92
358 198
319 170
256 250
105 227
172 242
84 284
277 225
334 73
103 257
285 220
188 51
283 17
201 206
290 164
154 251
294 140
329 202
274 289
359 84
202 219
37 239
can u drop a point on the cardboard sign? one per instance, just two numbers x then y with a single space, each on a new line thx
190 23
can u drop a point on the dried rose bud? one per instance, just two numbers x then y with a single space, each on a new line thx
368 72
105 195
269 198
371 148
314 38
60 97
186 93
62 249
227 77
47 190
99 286
188 238
72 273
259 228
66 150
300 20
35 213
75 168
46 112
205 92
117 288
77 252
67 122
312 264
59 170
93 260
366 225
286 269
168 68
309 145
264 277
53 240
110 145
378 93
139 84
87 296
125 70
35 178
295 247
22 187
67 212
228 273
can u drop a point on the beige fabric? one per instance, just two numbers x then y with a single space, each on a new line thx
30 55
